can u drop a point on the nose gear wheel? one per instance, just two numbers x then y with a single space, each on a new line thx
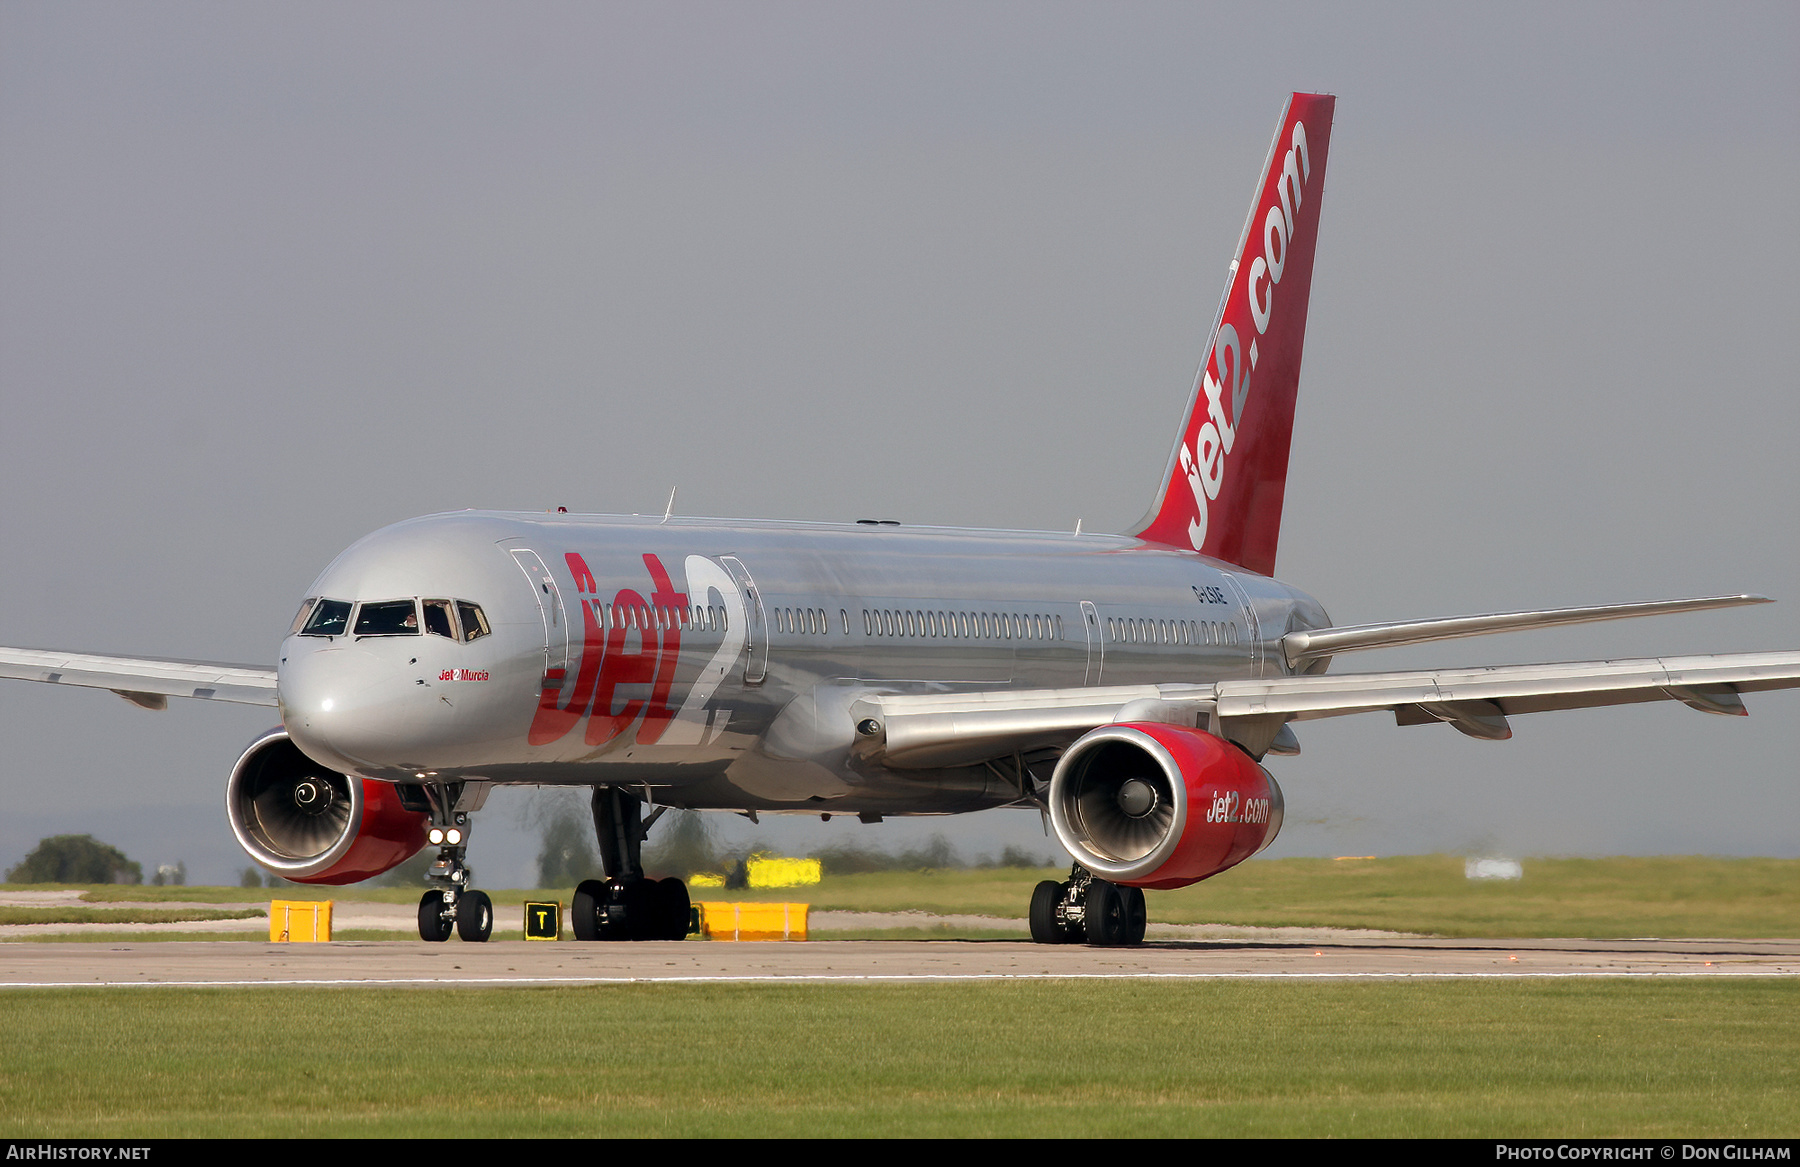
451 904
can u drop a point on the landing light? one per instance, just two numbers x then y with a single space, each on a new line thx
453 836
434 836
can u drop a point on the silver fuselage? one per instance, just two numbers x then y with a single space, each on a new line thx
714 662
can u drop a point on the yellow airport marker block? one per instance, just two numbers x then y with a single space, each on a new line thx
543 921
727 921
773 872
299 921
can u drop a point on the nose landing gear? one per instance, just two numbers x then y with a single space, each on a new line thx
451 904
1106 915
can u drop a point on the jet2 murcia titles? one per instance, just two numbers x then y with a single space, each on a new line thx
1127 686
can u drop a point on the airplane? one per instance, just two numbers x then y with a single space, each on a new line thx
1129 687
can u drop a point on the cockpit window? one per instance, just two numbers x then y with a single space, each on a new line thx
301 615
387 618
474 623
438 618
329 618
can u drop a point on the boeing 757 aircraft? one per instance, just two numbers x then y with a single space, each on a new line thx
1128 686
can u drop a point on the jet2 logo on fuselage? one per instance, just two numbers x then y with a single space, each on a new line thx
642 646
630 646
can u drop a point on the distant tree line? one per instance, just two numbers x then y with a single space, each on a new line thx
76 859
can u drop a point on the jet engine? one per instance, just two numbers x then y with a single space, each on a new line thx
314 825
1161 806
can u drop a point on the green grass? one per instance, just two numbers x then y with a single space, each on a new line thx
1618 897
1639 1058
136 893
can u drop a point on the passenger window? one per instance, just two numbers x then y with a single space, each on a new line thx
438 618
474 623
329 618
388 618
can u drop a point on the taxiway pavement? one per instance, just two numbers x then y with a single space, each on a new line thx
403 964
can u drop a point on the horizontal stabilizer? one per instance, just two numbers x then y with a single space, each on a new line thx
142 680
1306 645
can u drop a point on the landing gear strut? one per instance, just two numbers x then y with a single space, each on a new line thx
451 904
1083 908
625 905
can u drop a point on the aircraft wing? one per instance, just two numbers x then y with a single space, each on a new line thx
942 729
145 681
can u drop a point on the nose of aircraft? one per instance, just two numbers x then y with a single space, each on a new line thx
349 706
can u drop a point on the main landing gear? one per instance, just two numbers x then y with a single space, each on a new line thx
625 905
452 903
1083 908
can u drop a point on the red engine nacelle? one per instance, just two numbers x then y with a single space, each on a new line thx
314 825
1161 806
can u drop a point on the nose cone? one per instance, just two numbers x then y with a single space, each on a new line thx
351 707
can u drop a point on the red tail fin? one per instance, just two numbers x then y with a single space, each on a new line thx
1223 490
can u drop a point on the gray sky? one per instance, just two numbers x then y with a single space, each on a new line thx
272 276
